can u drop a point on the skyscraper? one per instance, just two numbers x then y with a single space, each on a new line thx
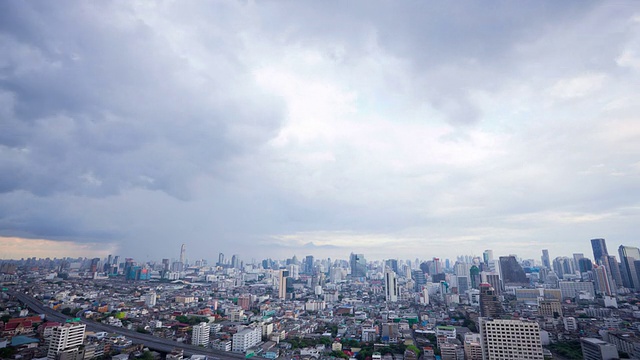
490 305
221 259
390 286
308 265
487 257
358 265
599 247
546 261
512 273
628 256
282 283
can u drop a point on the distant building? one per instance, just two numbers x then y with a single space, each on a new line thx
599 247
358 265
245 339
390 286
512 273
628 256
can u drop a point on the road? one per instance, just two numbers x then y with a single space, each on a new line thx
150 341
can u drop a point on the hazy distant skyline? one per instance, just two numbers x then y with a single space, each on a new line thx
268 129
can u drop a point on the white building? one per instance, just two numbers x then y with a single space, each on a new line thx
64 337
200 334
242 340
150 299
510 339
390 286
596 349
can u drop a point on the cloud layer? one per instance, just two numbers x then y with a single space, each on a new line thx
268 129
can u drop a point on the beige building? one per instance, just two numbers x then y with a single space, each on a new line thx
510 339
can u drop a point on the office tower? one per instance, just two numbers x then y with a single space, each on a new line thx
419 279
596 349
599 247
463 284
628 256
182 253
613 269
282 284
437 266
562 265
235 261
603 281
474 274
392 264
390 286
546 262
487 257
584 265
490 305
308 265
492 279
576 260
200 334
572 289
64 337
358 265
221 259
512 273
94 264
510 339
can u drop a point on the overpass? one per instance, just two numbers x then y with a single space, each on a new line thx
150 341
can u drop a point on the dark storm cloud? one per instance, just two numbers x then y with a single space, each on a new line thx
95 104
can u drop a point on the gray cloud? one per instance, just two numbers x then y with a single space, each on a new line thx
262 128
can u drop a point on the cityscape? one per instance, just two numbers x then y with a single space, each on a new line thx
315 180
585 306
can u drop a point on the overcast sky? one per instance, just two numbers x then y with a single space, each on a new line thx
274 128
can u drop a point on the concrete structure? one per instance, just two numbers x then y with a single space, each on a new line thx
572 289
244 339
510 339
65 337
200 334
596 349
550 308
390 286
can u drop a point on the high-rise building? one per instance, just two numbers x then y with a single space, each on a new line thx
244 339
493 279
392 264
183 253
235 261
308 265
512 273
390 286
487 257
576 260
474 274
599 247
65 337
282 284
602 280
584 265
596 349
358 265
510 339
546 261
200 334
613 268
220 259
628 256
490 304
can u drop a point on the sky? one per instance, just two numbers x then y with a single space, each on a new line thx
277 128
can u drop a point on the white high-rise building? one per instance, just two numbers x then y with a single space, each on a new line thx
510 339
200 334
390 286
244 339
67 336
150 299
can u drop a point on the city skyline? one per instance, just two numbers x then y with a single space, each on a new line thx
274 129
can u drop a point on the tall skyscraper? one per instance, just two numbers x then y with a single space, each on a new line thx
610 263
308 265
390 286
490 305
546 261
599 247
487 257
282 284
221 259
358 265
392 264
511 272
65 337
510 339
602 280
628 256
